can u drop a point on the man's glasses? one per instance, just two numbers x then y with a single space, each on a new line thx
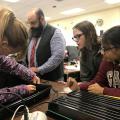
77 37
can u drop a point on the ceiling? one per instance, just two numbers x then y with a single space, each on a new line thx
23 6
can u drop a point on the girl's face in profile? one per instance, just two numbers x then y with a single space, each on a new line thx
110 53
79 38
4 48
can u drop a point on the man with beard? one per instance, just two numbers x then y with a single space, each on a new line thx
46 47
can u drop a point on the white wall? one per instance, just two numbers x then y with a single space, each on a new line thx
111 17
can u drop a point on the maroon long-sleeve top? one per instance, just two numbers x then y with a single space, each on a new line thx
108 76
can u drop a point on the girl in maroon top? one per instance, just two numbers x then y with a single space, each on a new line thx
107 80
13 39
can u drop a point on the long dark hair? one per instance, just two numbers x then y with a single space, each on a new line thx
112 37
89 32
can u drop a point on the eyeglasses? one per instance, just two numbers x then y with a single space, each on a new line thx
102 49
76 38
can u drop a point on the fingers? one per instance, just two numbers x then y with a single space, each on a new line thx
31 88
36 80
70 79
72 83
96 88
91 87
34 69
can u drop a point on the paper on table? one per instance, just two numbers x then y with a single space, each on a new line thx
66 90
72 67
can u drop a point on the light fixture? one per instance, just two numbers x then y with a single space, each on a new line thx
58 0
12 1
112 1
72 11
54 6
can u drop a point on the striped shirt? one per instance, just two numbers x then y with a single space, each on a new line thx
57 45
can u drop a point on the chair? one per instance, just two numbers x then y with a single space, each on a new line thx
73 52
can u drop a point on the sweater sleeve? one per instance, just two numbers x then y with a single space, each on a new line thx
57 45
84 85
20 90
112 91
11 66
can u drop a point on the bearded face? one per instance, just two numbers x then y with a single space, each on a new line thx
36 31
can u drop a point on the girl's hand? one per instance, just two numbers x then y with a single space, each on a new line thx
36 80
96 88
31 88
72 84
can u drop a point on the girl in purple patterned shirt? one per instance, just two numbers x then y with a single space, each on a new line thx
13 39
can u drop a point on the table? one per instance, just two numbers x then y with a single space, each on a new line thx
58 87
72 73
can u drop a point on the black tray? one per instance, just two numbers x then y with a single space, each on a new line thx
43 91
83 105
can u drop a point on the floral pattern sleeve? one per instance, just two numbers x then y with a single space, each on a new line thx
11 66
20 90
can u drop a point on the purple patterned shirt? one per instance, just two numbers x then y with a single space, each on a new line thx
11 66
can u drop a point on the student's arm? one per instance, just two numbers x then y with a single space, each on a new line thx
21 90
11 66
111 91
57 45
100 77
